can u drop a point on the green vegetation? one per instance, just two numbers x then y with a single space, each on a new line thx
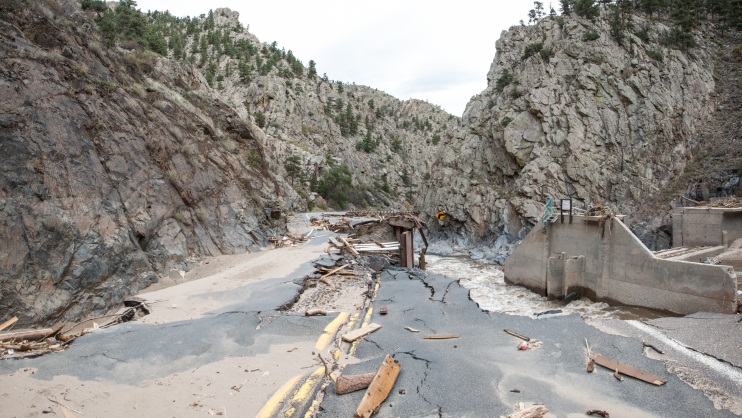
585 8
590 35
335 185
506 121
346 121
546 54
260 119
293 169
505 79
532 49
683 15
436 139
655 55
367 144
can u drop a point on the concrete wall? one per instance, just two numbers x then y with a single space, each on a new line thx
692 227
617 267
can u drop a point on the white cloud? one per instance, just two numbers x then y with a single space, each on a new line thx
439 51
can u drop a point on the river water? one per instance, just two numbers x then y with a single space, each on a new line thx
487 287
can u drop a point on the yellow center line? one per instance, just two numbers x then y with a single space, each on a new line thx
305 390
328 335
271 407
366 320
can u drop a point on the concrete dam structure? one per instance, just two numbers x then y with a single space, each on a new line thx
602 259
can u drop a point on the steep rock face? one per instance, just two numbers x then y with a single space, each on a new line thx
566 117
111 173
304 116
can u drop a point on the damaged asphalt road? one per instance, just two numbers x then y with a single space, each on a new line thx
479 373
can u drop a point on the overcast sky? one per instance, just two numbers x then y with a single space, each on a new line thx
439 51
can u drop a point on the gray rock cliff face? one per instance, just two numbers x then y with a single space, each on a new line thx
111 172
302 115
590 120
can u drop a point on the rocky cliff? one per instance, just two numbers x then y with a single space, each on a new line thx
112 172
568 112
388 144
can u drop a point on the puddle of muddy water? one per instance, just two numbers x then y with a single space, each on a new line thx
487 287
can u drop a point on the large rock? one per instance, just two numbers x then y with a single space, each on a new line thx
111 173
590 120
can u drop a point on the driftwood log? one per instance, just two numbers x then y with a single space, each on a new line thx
351 383
37 334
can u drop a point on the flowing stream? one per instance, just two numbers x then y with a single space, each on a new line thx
487 287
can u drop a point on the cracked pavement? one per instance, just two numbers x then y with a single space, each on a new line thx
475 375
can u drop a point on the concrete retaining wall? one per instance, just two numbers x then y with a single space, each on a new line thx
618 267
692 227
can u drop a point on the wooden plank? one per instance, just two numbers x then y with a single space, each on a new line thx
335 271
8 323
406 250
628 370
350 247
441 336
379 389
361 332
351 383
376 250
37 334
336 242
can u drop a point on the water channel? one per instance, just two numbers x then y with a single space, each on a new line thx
487 287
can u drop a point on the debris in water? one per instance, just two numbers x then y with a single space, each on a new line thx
549 312
571 298
603 414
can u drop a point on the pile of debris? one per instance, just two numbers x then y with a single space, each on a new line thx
287 240
37 342
341 226
726 202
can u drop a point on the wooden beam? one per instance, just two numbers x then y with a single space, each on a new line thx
515 334
8 323
360 332
36 334
334 271
336 242
351 383
350 247
379 388
628 370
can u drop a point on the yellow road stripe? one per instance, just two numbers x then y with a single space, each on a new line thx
271 407
328 335
304 391
366 320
